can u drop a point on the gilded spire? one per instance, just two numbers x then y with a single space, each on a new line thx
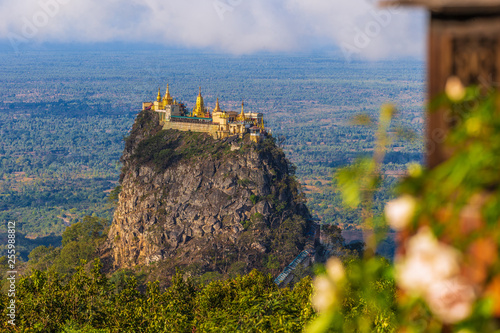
241 117
199 110
168 99
217 107
158 98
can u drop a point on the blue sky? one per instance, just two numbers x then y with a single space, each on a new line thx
358 28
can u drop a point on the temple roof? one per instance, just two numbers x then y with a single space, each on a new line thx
450 6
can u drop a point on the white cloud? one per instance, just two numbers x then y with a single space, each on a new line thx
233 26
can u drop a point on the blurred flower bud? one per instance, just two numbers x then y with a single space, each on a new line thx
399 212
473 126
493 293
324 295
454 89
414 170
471 218
335 270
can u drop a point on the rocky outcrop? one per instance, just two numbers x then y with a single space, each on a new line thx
208 205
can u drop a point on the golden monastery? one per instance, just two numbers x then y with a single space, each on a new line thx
218 123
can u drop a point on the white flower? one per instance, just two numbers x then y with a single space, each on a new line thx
431 270
451 300
427 261
335 270
326 287
454 89
324 295
399 212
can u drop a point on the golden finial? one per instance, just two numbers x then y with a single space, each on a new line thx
217 107
168 99
158 98
241 117
199 110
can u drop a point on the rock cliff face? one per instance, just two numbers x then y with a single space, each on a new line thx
207 205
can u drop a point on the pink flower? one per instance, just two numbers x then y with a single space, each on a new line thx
451 300
427 261
431 270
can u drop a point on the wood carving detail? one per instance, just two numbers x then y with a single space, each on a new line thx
474 59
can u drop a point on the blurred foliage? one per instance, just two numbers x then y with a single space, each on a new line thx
459 201
363 301
447 219
358 183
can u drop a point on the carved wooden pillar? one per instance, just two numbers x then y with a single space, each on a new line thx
464 41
